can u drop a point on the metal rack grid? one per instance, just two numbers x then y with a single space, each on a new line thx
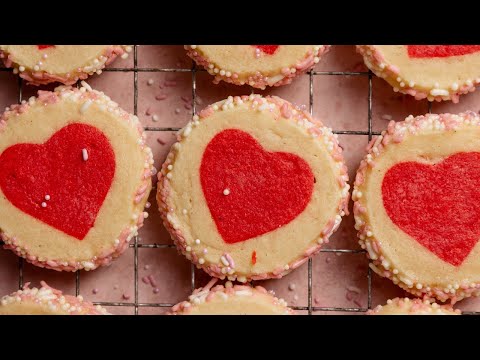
136 245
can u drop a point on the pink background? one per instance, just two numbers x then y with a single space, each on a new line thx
340 84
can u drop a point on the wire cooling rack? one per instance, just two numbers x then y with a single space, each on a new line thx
136 245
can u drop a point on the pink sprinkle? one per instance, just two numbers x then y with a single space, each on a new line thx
316 301
170 83
95 291
146 280
177 111
187 106
353 289
160 86
115 287
156 290
148 112
161 97
357 302
160 141
152 281
126 297
327 260
349 295
147 206
185 98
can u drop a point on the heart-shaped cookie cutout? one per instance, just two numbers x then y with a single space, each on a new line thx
267 49
62 182
250 191
438 205
440 51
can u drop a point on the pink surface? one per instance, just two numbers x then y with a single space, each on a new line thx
339 100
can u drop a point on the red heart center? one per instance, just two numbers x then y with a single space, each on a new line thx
267 49
250 191
70 174
433 51
41 47
437 205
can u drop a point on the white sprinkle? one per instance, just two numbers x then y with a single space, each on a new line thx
226 192
291 286
47 197
21 68
224 261
84 154
439 92
44 204
243 292
155 118
86 86
184 211
386 117
85 106
197 241
150 82
201 261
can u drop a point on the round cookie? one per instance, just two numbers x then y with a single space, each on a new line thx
75 174
232 300
417 205
43 64
252 188
46 301
435 72
256 65
408 306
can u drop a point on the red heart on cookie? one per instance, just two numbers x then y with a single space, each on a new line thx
434 51
267 49
437 205
251 191
42 47
62 182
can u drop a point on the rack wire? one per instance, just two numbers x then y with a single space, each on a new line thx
136 245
